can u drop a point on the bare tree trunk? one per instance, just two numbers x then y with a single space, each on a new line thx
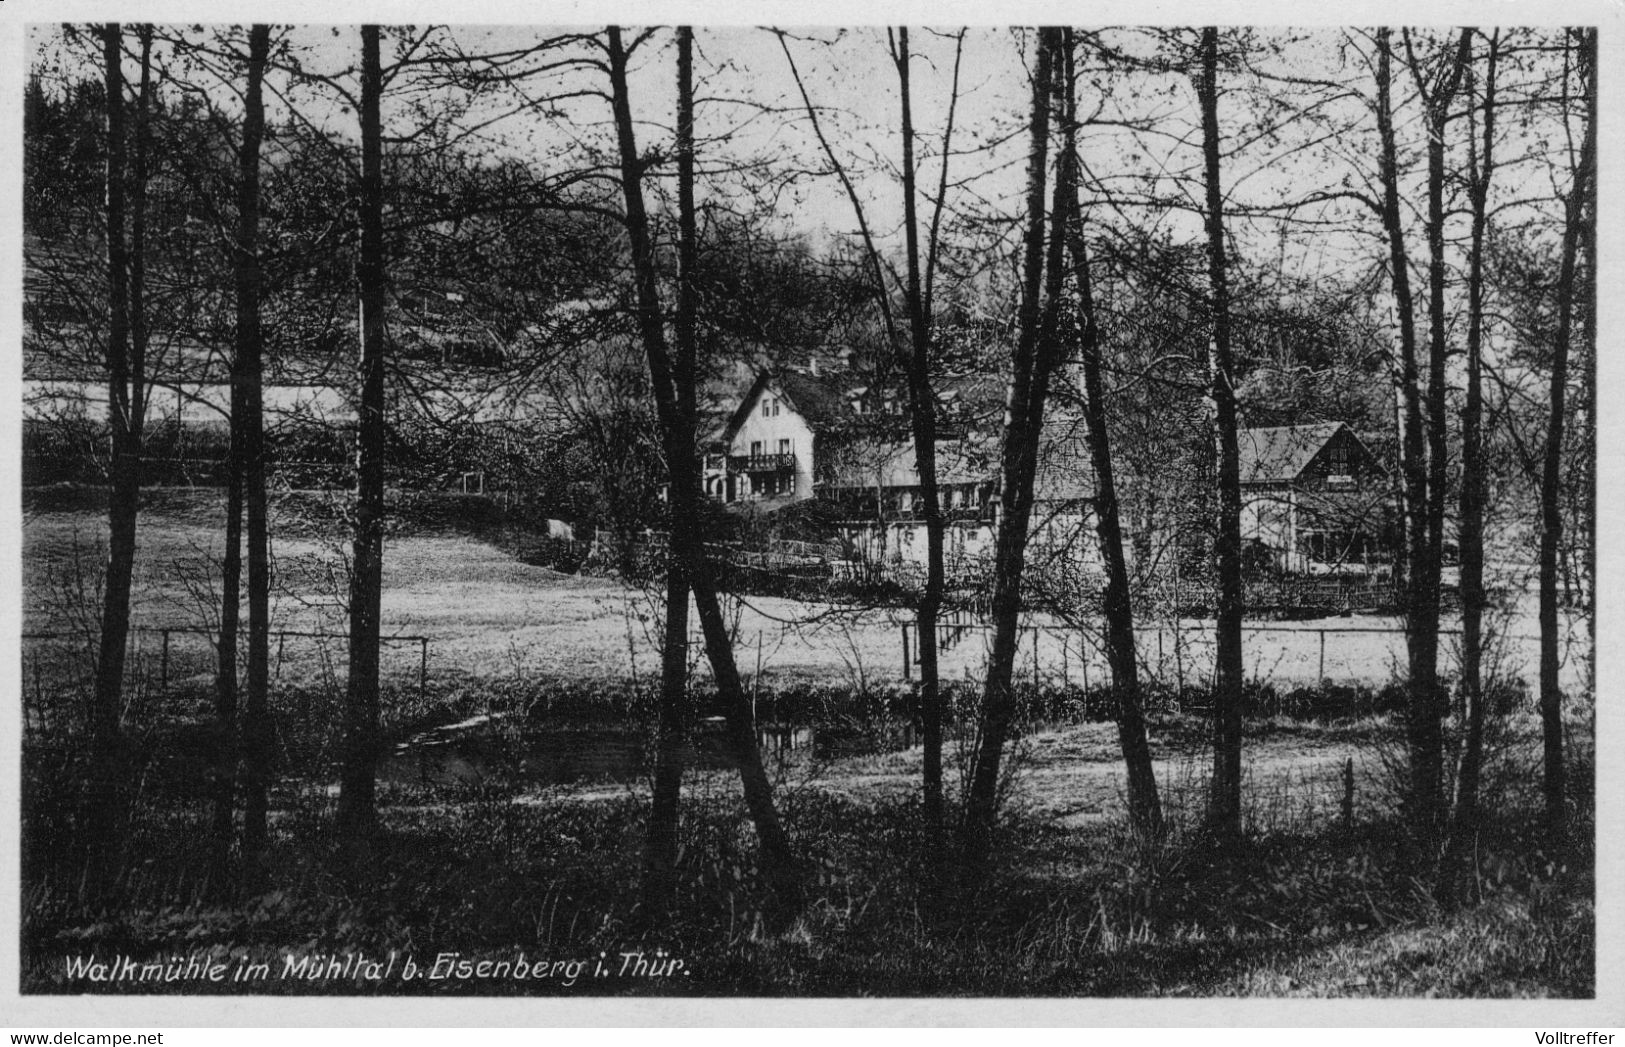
223 829
660 873
1145 810
257 747
1464 827
918 290
1428 707
121 516
923 416
1032 363
1578 224
780 867
105 711
660 860
1224 808
674 399
126 366
1421 568
357 813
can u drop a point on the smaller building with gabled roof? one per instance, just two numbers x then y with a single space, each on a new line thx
1314 499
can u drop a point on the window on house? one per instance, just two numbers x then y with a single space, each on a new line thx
765 404
784 446
755 448
1339 467
775 408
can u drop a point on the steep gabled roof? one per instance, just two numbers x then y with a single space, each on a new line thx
820 402
1280 454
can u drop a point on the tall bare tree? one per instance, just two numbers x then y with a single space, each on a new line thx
357 811
249 373
246 475
1224 806
923 419
1464 818
674 399
660 874
1438 91
1421 598
919 360
1579 228
1145 810
1034 360
125 228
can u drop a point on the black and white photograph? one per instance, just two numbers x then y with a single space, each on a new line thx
811 511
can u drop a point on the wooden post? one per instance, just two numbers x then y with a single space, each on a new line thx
1179 653
908 669
1348 793
423 667
1320 677
1035 660
164 661
756 680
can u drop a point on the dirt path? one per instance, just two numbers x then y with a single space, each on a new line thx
1073 778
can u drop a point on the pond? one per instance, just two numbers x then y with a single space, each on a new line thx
515 748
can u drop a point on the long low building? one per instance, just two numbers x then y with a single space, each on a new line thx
1315 498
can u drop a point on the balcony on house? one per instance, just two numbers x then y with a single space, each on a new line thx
907 507
783 462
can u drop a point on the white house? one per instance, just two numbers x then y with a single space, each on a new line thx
796 437
770 442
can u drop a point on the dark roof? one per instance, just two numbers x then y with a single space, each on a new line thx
883 462
1280 454
1066 472
821 401
968 402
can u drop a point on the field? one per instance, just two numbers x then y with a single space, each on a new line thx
494 862
486 614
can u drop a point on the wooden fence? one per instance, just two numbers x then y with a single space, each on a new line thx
1180 653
